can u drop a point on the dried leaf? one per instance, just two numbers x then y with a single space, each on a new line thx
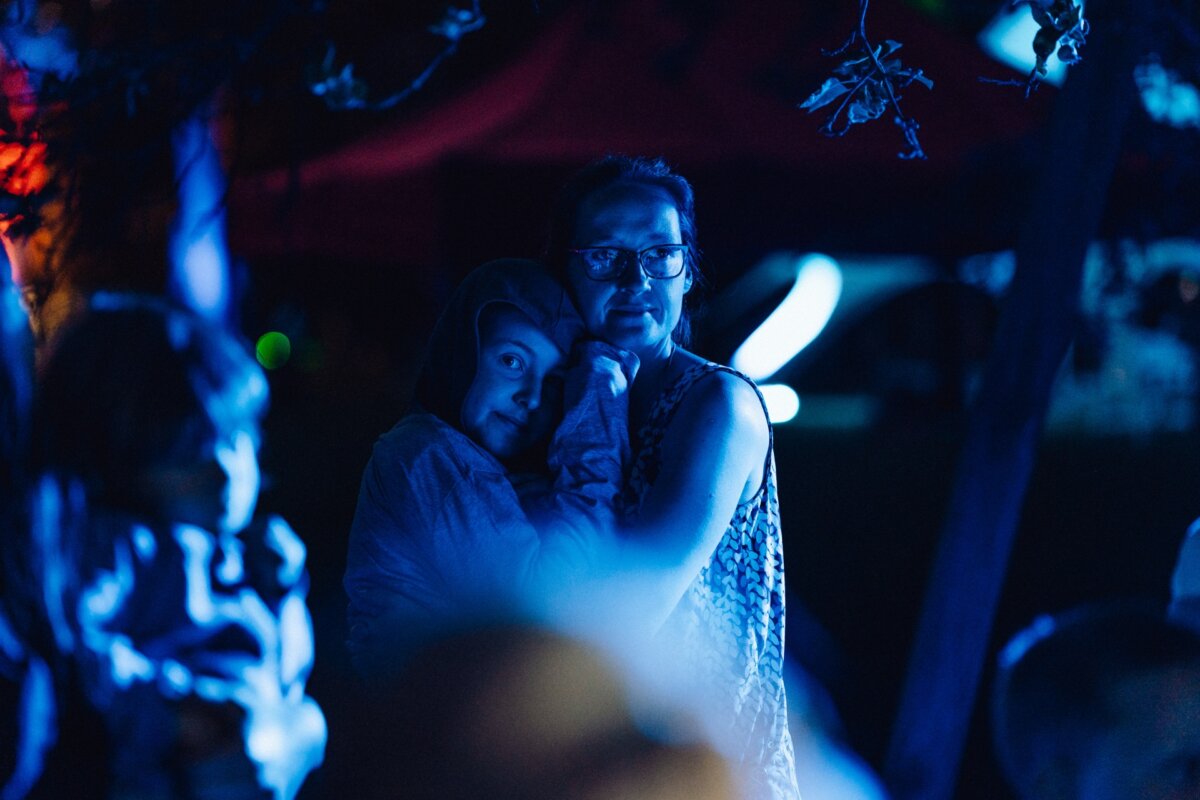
830 90
868 81
866 108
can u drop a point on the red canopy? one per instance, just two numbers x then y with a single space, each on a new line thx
633 78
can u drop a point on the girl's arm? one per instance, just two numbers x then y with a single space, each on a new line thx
575 514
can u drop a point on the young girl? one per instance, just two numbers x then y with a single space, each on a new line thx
180 624
454 522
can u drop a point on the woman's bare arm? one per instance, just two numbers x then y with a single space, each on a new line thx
713 454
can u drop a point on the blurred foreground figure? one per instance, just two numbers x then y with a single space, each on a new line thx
1100 703
180 623
26 694
515 712
1185 581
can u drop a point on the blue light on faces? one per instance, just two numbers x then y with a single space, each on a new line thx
795 322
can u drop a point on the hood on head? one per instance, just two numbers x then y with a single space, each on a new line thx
453 351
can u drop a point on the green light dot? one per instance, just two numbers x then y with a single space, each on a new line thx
273 349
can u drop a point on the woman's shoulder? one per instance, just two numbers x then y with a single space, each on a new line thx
708 382
716 394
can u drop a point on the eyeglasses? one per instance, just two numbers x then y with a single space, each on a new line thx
662 261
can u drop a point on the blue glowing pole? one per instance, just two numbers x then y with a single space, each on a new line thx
199 272
1036 326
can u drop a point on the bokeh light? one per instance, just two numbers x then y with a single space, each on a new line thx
273 349
797 320
783 404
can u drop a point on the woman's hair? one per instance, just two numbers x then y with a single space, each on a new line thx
617 169
136 382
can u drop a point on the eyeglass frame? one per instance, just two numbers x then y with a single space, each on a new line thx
625 253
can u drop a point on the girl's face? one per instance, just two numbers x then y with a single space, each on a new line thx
516 396
215 489
632 310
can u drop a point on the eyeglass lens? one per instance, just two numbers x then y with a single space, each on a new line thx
664 261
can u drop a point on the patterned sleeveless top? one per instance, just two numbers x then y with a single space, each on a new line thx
728 627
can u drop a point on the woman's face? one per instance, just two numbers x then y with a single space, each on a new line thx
516 397
632 310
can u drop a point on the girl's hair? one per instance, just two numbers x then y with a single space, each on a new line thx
615 169
137 382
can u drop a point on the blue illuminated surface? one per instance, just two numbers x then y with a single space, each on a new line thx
199 255
1008 38
128 664
796 322
296 654
37 730
177 677
1016 649
41 51
1166 97
47 521
284 541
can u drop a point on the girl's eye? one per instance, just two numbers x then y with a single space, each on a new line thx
511 362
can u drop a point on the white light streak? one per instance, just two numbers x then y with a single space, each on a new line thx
796 322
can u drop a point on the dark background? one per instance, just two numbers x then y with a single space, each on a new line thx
354 265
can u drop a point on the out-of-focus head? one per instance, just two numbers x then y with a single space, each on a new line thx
618 211
1100 703
155 412
515 711
495 357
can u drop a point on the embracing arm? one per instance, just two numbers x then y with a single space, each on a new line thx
713 454
411 556
575 511
439 535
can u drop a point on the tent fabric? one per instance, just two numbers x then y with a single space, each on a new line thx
633 77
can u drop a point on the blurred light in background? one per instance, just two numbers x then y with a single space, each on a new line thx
796 321
199 256
1008 38
273 349
783 404
1166 97
991 272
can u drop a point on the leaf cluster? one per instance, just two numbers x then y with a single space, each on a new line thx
1062 27
864 86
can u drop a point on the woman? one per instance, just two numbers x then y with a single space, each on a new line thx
463 512
700 507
